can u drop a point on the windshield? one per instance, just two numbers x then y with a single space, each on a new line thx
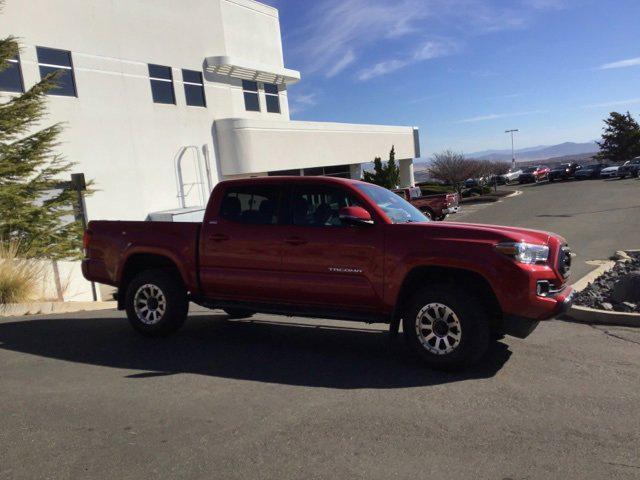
590 167
530 169
564 166
397 209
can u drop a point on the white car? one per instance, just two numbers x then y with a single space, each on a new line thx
511 175
609 172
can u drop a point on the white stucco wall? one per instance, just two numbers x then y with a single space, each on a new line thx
113 130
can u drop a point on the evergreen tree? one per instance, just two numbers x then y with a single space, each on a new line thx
387 176
621 138
35 211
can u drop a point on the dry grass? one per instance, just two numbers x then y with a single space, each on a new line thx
19 278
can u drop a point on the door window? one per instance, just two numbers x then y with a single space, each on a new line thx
253 205
318 206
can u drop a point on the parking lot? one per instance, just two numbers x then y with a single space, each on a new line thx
83 396
597 217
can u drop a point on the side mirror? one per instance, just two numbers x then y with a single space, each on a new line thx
355 216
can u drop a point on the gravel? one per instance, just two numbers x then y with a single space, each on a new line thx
600 293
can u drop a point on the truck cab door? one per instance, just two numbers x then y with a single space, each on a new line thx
325 262
241 245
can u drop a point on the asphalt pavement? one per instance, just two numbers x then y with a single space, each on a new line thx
83 396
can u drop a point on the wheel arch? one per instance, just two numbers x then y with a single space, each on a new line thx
139 262
421 276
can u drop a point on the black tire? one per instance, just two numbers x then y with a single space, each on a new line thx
428 213
238 313
472 319
159 321
441 218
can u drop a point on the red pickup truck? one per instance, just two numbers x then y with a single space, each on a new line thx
335 248
435 207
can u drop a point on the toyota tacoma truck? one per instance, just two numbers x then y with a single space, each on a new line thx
435 207
335 248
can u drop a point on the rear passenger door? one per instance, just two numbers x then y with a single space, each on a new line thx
241 245
325 262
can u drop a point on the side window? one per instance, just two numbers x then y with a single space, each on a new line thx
52 60
250 92
318 206
251 205
161 79
11 77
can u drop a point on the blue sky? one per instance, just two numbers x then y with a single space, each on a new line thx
463 71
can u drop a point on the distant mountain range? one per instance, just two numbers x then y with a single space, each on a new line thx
541 152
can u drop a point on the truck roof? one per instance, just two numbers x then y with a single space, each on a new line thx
291 179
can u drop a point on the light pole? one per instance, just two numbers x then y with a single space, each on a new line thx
513 152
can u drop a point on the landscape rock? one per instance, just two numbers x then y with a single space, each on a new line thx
617 289
627 288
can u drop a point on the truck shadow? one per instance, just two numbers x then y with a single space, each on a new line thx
293 354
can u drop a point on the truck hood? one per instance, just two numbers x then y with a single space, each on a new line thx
497 233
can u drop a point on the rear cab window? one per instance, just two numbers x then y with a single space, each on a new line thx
251 204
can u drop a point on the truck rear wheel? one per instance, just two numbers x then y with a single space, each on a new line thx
447 329
156 303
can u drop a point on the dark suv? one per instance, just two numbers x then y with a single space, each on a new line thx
590 171
630 168
564 171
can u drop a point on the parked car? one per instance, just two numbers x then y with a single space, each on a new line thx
563 171
590 171
630 168
435 207
475 182
335 248
609 172
534 174
509 177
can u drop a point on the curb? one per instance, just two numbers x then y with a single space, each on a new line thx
593 315
39 308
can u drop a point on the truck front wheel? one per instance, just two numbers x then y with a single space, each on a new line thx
156 303
447 329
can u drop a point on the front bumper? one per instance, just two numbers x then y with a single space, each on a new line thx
521 327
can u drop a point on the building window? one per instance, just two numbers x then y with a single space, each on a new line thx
161 80
51 60
271 95
194 88
250 91
11 77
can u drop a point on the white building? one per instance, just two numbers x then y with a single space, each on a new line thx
160 94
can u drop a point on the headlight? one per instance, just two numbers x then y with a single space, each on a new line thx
524 252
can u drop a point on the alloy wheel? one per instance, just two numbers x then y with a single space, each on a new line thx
150 304
438 328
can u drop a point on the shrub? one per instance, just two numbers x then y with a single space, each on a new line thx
19 278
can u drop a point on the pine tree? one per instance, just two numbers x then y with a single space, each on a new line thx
387 176
35 211
621 138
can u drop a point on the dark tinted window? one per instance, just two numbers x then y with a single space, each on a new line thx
11 77
273 103
161 80
51 60
53 56
194 88
249 86
251 205
272 98
250 91
271 88
319 206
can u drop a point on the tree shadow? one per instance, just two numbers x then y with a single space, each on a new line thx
264 351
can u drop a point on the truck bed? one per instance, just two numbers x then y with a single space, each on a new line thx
110 244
